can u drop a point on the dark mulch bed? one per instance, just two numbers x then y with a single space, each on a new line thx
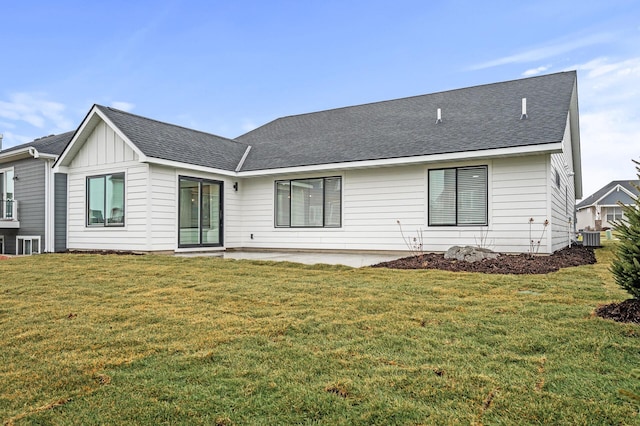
505 264
627 311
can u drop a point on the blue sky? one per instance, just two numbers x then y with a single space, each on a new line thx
228 67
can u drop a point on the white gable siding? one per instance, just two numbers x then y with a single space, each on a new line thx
562 196
105 152
103 146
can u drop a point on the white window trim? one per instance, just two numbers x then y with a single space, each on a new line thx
25 238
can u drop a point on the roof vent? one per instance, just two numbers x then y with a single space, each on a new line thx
439 116
524 109
1 136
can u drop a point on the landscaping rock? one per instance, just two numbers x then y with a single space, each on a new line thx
469 254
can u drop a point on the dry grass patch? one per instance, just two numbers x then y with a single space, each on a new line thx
149 339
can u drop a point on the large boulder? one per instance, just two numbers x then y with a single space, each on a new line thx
469 253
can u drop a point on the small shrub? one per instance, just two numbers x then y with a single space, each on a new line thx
626 264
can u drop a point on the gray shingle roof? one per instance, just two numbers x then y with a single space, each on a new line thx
596 196
170 142
475 118
53 144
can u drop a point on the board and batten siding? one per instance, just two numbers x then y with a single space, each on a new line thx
105 152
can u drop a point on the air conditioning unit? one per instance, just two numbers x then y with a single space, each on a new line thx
591 239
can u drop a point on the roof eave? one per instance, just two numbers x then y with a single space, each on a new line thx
548 148
180 165
26 152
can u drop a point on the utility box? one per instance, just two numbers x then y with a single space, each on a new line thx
591 239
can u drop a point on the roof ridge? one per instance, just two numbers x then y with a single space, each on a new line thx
168 124
424 94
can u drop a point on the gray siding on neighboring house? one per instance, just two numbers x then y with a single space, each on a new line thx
29 192
60 214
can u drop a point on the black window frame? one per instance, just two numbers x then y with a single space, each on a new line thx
458 224
201 181
324 217
105 223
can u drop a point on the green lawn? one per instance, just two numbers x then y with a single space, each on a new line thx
90 339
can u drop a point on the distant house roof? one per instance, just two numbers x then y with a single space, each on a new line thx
610 194
48 147
175 143
475 118
52 144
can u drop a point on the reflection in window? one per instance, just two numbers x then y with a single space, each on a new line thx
105 200
309 203
458 196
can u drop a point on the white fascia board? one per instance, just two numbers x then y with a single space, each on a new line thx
26 152
179 165
550 148
18 154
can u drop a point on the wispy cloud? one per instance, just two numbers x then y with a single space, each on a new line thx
36 110
545 52
124 106
608 92
535 71
248 125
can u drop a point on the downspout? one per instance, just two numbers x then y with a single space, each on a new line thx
47 207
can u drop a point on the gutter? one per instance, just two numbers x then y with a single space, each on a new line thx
26 152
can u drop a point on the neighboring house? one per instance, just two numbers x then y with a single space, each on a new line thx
456 164
602 207
32 198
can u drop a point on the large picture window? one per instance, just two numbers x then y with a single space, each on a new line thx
105 200
458 196
309 203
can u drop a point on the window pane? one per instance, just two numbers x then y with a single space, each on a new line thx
115 199
189 218
472 196
9 189
442 197
332 201
210 213
306 202
95 211
282 203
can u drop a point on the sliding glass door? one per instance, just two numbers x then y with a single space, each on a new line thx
200 214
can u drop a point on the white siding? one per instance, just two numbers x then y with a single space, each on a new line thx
375 199
105 152
163 201
103 146
562 196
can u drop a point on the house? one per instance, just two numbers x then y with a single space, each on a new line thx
601 208
459 164
33 198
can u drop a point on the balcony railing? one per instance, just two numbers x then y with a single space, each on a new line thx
9 210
